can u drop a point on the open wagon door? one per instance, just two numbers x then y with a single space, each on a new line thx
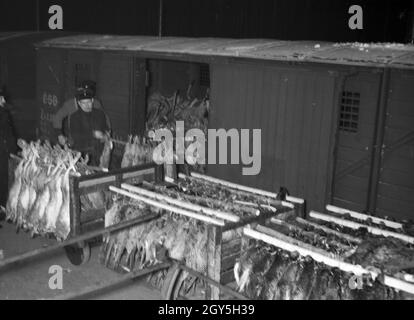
122 83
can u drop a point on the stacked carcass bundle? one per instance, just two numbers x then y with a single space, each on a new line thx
200 187
181 235
384 244
163 113
205 198
387 254
39 196
265 272
142 246
371 252
138 150
205 188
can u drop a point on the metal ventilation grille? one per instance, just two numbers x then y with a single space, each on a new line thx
349 117
205 75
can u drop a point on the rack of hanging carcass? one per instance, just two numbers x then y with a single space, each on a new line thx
190 228
51 200
84 225
339 254
200 230
196 222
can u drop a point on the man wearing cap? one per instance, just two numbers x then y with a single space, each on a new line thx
84 129
7 146
70 106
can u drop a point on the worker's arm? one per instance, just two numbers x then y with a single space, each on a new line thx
63 133
98 105
101 126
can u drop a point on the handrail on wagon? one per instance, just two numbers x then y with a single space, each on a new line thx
332 262
240 187
222 287
102 288
116 172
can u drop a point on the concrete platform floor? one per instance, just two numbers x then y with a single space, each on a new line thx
31 281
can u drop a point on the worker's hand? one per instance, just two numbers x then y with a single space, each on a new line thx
62 140
98 135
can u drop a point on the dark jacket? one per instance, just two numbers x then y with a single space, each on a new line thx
7 146
69 107
79 128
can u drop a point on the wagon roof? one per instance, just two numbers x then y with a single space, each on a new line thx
35 35
17 34
361 54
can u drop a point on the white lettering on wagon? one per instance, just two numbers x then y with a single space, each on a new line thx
50 100
46 116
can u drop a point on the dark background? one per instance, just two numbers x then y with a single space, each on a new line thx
390 21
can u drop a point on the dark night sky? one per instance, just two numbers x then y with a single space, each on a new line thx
279 19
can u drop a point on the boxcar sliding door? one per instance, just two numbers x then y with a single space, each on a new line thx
122 91
357 119
395 192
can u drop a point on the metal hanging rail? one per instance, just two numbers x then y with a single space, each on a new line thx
332 262
90 291
17 260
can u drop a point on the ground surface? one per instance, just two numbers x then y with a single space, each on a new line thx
31 281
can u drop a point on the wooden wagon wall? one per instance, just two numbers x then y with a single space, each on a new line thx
358 105
18 73
50 85
396 180
358 185
294 108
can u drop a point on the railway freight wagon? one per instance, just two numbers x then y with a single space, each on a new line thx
336 120
18 75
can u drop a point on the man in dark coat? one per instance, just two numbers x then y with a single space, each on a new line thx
84 130
7 146
71 105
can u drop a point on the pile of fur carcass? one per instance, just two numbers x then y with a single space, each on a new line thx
138 150
164 112
271 272
175 236
142 246
39 197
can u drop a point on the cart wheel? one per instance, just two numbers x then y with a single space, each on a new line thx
169 290
79 253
